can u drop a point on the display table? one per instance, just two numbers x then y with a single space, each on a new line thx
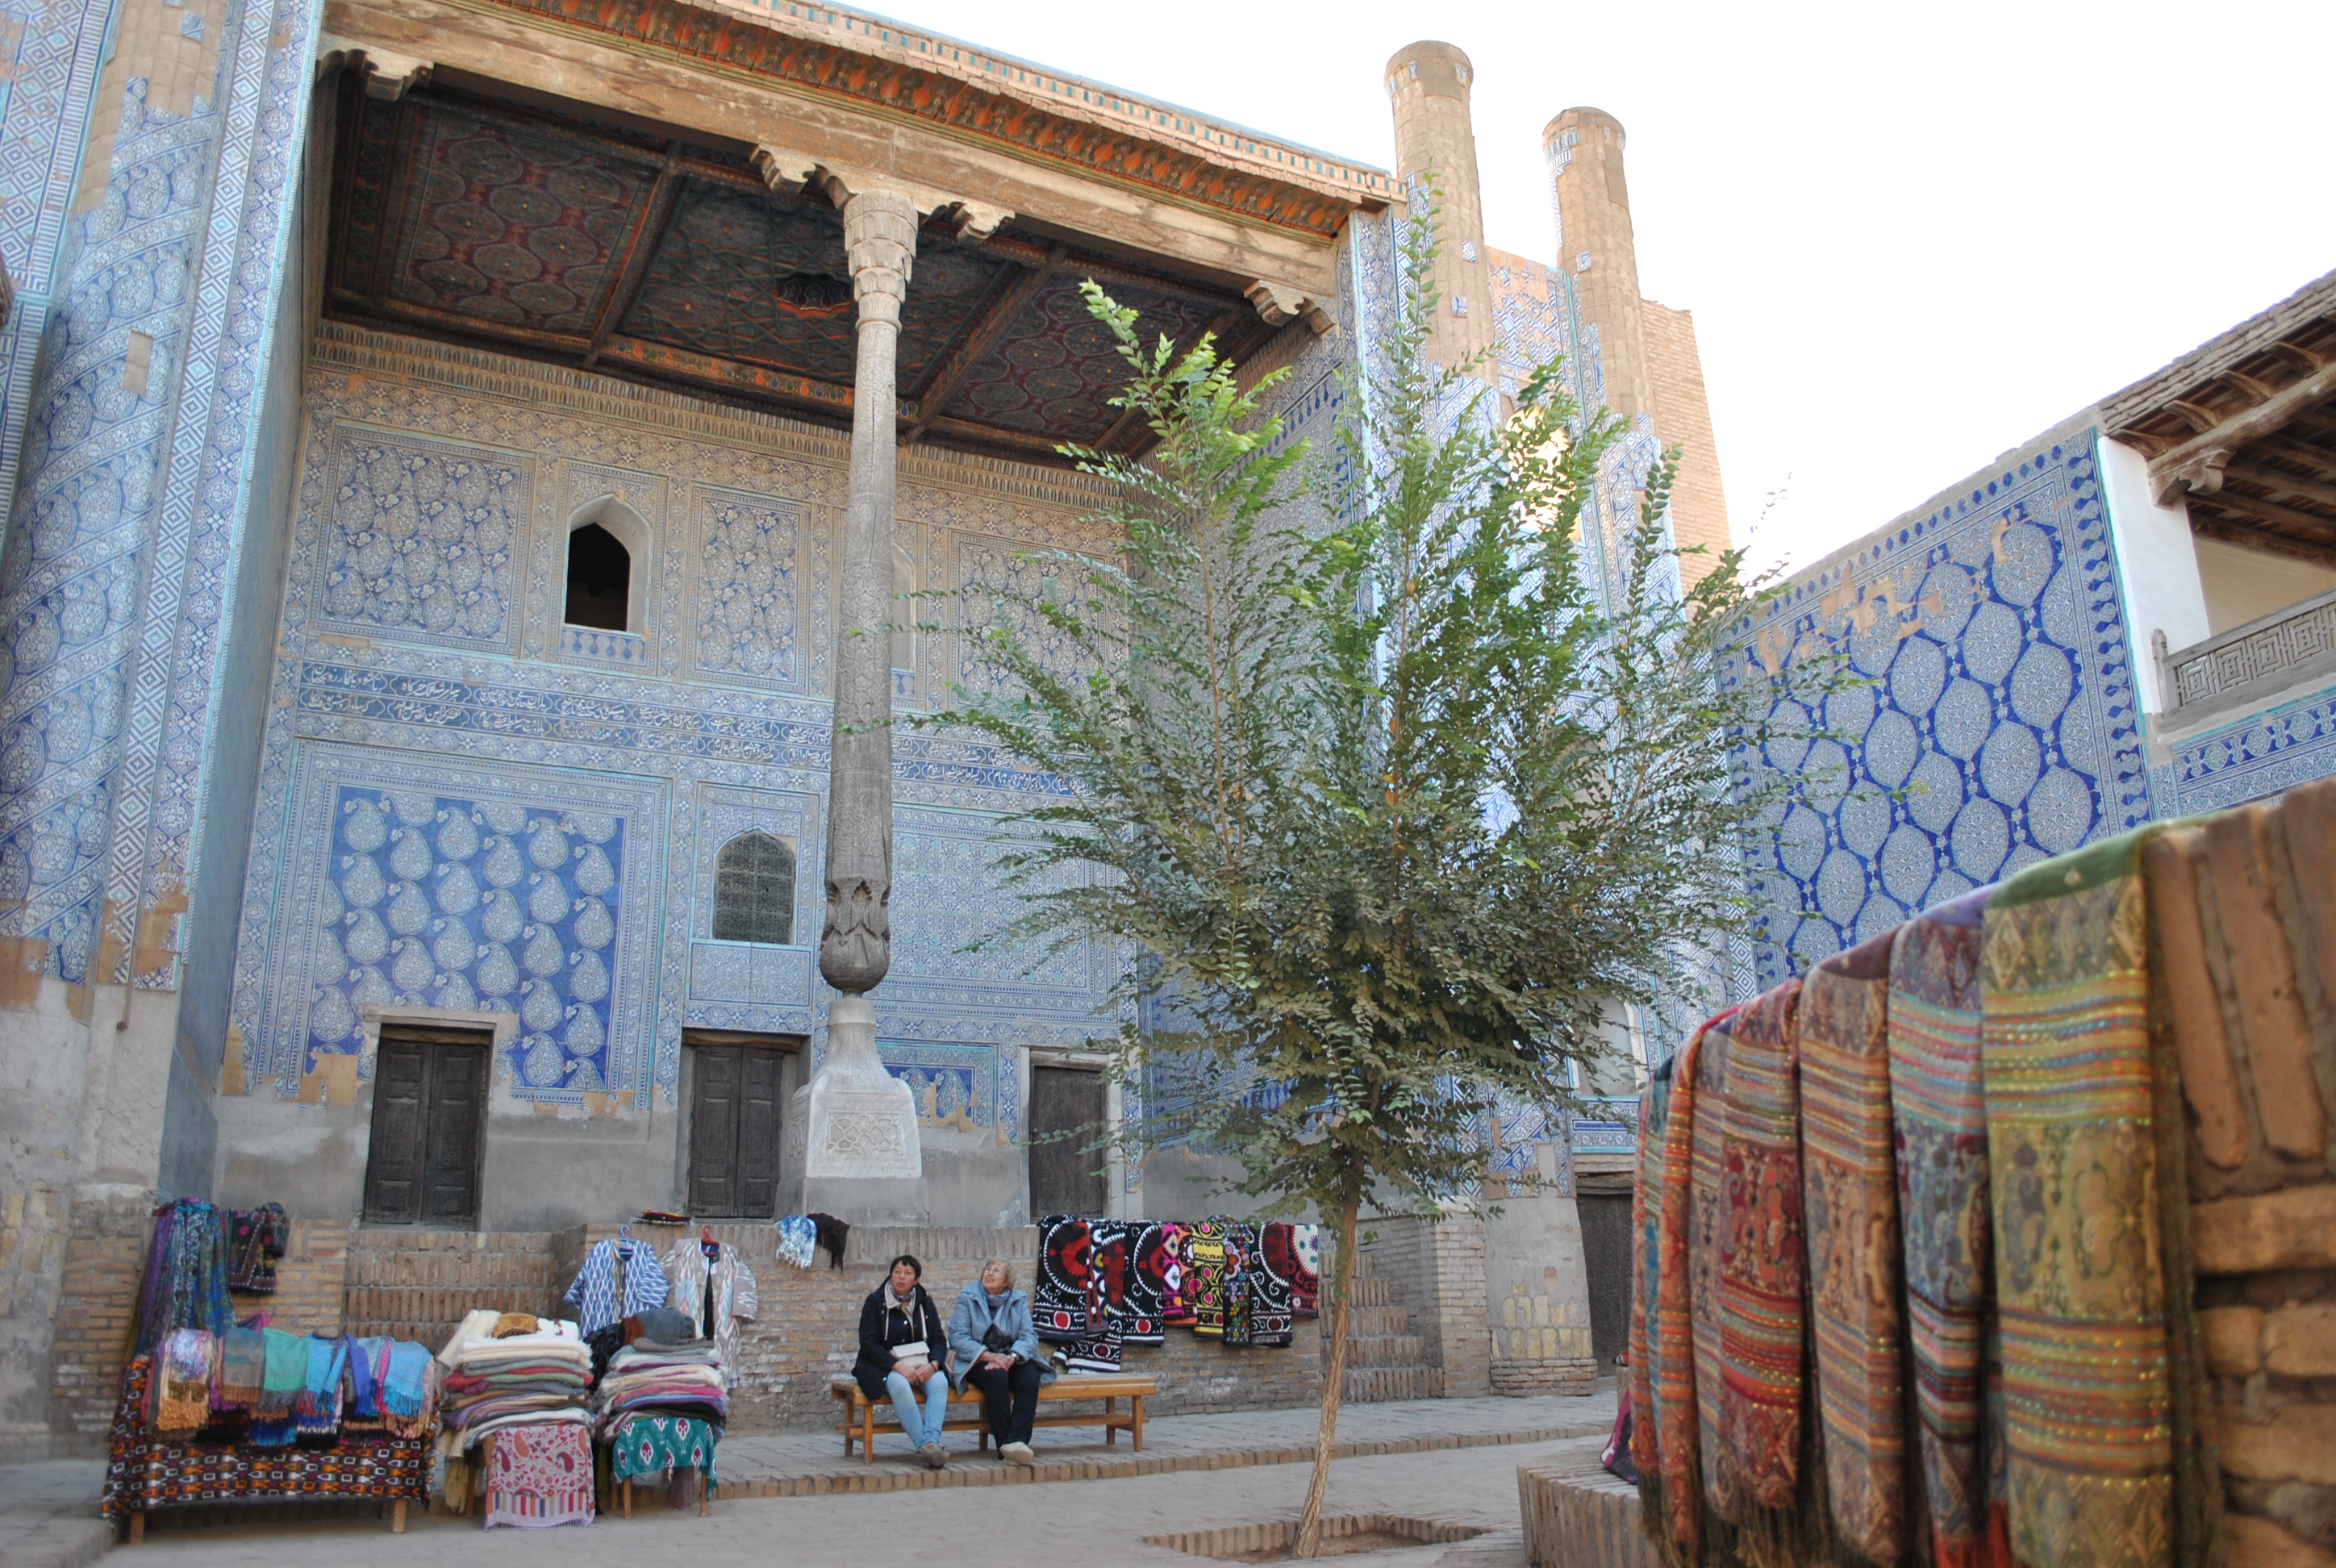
654 1445
144 1472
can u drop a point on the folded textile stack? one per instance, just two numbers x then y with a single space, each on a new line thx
649 1378
490 1384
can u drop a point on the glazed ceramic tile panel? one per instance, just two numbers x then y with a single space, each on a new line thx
1997 726
423 884
2292 744
124 535
467 458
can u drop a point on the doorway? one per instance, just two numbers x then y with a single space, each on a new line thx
1068 1175
738 1089
429 1126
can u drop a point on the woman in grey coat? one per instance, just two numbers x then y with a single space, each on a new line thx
995 1348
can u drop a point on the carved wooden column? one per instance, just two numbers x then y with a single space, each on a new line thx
855 945
862 1157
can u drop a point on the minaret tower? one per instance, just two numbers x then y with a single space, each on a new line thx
1584 147
1435 144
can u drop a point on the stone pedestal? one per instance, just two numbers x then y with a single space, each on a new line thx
862 1160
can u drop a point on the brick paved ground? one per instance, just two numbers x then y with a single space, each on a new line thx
985 1527
796 1495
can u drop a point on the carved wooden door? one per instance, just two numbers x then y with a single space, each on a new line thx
1066 1174
429 1116
734 1130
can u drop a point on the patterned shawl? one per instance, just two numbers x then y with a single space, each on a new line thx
180 1399
186 1275
2074 1082
1241 1300
1206 1261
242 1370
1104 1291
1058 1302
1850 1198
1646 1277
1306 1284
1675 1328
1941 1123
1148 1239
1273 1285
797 1234
1168 1263
1697 1111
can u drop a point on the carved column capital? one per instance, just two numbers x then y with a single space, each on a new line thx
880 243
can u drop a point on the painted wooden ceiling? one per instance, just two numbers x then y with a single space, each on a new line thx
558 232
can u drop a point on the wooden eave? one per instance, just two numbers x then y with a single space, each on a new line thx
2242 429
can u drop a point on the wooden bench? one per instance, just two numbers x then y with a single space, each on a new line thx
860 1411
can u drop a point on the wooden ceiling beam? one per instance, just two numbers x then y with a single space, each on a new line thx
976 345
2295 484
645 240
2269 512
2263 540
2296 357
2319 459
2195 464
1022 443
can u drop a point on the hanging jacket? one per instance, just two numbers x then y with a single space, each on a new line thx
722 1289
596 1293
882 1327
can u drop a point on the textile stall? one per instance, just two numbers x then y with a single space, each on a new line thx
1953 1152
661 1409
517 1435
1105 1284
214 1411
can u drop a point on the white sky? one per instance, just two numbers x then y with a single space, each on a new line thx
1913 237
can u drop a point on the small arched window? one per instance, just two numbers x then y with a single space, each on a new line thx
754 890
607 567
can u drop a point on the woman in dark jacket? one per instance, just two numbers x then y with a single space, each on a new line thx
904 1351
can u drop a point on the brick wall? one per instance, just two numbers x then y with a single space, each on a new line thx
1683 419
97 1309
34 1227
1435 1272
311 1280
2251 994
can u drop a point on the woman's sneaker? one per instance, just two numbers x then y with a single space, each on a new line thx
936 1456
1016 1454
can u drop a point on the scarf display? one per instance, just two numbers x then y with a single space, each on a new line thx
1849 1195
1145 1321
257 1238
180 1401
798 1234
317 1411
662 1444
1937 1198
185 1285
1273 1285
1941 1124
242 1370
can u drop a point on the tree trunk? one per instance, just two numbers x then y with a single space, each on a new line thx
1334 1381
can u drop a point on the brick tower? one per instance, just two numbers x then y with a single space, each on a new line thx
1435 144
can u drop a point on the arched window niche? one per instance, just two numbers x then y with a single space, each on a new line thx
607 568
754 890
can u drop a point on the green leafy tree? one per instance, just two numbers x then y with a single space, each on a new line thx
1391 807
